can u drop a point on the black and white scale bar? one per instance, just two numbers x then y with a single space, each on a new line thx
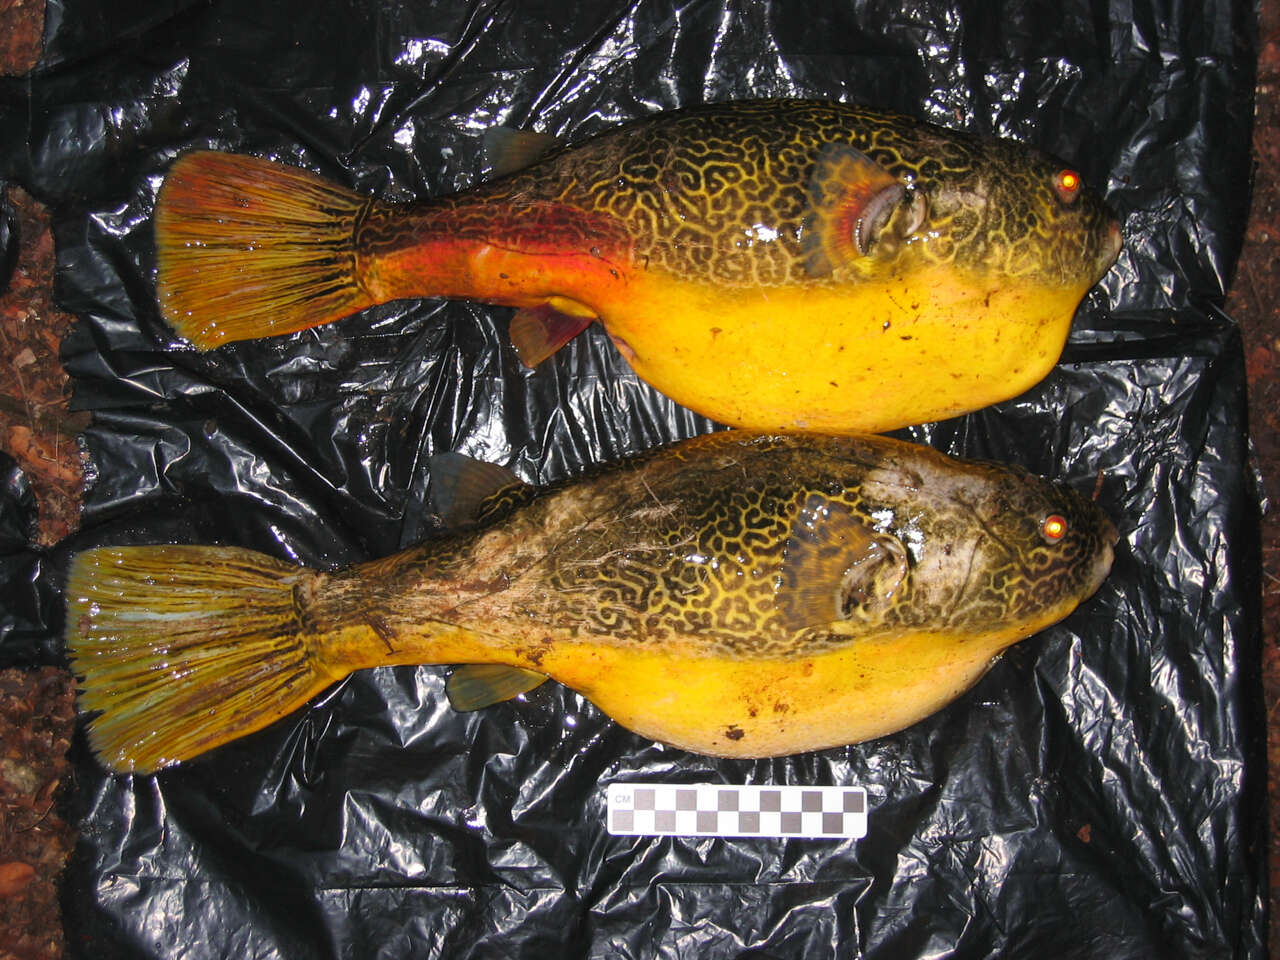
719 810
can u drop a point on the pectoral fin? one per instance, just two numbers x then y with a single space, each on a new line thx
475 685
852 200
538 332
835 564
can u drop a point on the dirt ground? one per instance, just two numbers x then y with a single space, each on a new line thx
1255 303
36 712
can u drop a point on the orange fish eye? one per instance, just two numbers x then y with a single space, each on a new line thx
1067 183
1054 528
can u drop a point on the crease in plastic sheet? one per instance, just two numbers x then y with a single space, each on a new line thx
1098 794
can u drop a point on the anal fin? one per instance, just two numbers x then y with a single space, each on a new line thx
538 332
475 685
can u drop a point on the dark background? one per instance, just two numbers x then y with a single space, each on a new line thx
1151 847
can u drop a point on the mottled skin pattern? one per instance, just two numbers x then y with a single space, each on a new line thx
695 546
723 193
776 265
739 594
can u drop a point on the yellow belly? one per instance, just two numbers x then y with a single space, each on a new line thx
766 708
840 358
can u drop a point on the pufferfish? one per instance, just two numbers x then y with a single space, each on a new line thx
776 264
738 594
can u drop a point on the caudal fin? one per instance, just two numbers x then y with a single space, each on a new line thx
249 248
180 649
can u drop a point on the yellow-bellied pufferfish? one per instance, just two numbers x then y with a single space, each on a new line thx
737 594
775 264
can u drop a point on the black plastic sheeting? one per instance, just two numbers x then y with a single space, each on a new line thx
1099 794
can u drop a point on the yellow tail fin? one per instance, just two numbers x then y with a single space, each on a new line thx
181 649
249 248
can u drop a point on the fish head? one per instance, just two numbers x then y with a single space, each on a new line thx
1030 551
1003 208
929 542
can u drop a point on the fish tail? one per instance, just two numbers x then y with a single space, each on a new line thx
180 649
249 248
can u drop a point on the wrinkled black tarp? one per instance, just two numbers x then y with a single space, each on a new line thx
1099 794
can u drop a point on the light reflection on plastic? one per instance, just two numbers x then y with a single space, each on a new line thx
416 50
283 541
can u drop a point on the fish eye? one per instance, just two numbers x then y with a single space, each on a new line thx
1054 528
1067 184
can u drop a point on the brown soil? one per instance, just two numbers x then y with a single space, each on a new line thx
36 717
1255 303
36 710
21 29
35 425
36 707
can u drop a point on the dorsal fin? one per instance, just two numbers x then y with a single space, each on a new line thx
834 563
851 199
507 150
460 485
475 685
538 332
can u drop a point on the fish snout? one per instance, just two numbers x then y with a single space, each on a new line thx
1108 537
1110 534
1115 241
1110 246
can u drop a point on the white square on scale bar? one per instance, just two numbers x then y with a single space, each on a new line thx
730 810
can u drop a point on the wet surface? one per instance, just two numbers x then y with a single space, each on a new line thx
37 430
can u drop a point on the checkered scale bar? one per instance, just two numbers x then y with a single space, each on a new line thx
717 810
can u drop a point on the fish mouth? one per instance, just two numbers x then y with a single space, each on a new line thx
1112 244
1110 536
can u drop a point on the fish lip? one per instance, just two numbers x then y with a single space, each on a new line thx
1107 529
1102 569
1110 248
1116 236
1106 556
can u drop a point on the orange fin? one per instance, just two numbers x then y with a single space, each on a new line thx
476 685
852 199
249 248
834 563
180 649
507 150
538 332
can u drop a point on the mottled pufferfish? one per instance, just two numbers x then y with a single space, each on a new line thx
778 264
737 594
